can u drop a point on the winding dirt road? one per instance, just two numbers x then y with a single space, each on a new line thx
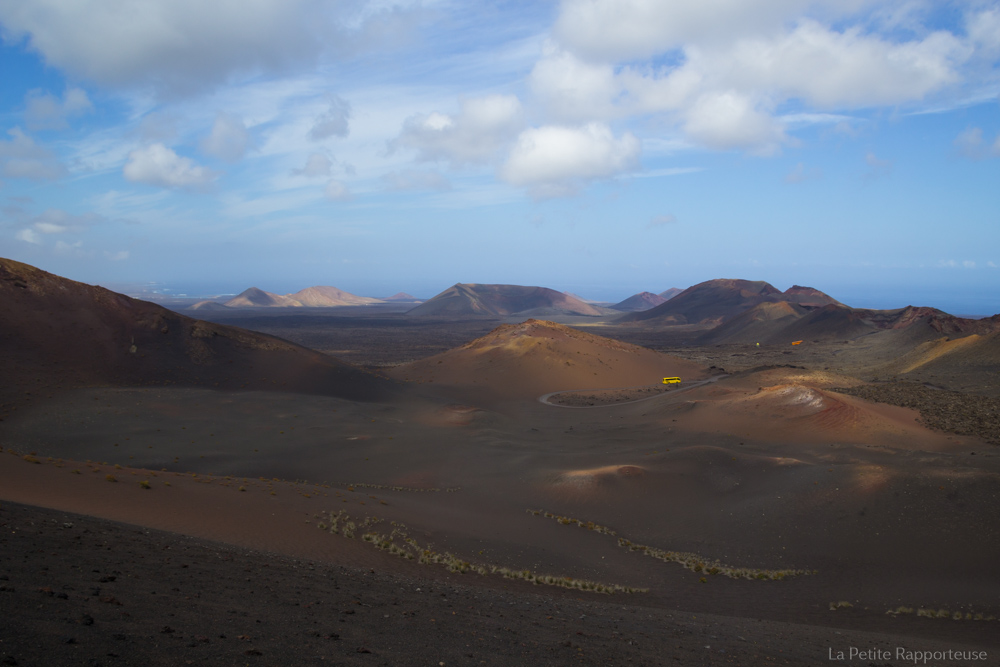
544 398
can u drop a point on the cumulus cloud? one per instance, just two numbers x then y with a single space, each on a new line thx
45 111
316 165
337 191
627 29
182 45
724 120
333 123
719 69
473 136
411 179
158 165
21 157
573 89
229 139
984 30
555 160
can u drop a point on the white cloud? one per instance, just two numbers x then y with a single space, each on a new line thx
984 30
316 165
333 123
119 256
662 221
337 191
188 45
724 66
54 221
45 111
555 160
21 157
573 89
28 236
229 139
625 29
831 69
158 165
730 120
474 135
411 179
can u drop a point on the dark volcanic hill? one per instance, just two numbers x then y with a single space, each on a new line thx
714 301
474 300
670 293
402 297
759 324
639 302
61 333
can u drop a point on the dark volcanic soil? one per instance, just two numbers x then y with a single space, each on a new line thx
941 409
81 591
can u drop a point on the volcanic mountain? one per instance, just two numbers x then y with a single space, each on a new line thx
759 323
639 302
62 333
670 293
534 357
257 298
310 297
465 300
713 301
402 297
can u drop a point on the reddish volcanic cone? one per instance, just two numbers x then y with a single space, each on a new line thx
535 357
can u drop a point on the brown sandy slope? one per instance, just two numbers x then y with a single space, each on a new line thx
58 333
310 297
970 363
713 301
464 300
322 296
794 405
640 301
257 298
809 296
529 359
209 306
758 324
403 296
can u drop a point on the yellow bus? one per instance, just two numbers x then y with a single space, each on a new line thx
673 380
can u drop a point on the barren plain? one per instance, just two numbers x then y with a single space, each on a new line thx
767 510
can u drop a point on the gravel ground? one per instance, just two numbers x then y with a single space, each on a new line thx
941 409
76 590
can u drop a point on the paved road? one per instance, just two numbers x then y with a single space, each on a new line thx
544 398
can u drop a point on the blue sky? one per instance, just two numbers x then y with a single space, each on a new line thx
603 147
